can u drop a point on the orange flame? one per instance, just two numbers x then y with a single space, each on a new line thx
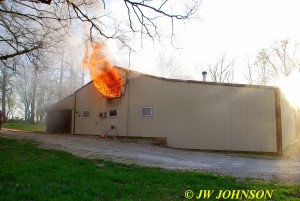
105 78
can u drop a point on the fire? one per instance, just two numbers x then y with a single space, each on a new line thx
105 77
290 88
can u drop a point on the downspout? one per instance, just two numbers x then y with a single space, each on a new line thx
278 122
127 89
74 109
127 82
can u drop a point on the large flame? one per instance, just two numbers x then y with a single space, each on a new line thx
290 87
105 77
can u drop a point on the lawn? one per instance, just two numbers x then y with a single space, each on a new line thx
31 173
25 126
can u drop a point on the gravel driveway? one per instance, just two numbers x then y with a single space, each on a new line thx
283 169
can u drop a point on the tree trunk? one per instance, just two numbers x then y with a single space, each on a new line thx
82 77
33 98
61 77
26 111
73 78
4 87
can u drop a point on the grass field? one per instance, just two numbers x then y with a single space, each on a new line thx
31 173
25 126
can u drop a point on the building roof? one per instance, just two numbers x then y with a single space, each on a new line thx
183 81
197 81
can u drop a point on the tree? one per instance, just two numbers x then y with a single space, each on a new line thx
28 28
168 67
32 34
26 86
33 97
6 88
46 93
61 75
11 104
65 72
23 34
40 88
262 69
278 60
249 74
222 71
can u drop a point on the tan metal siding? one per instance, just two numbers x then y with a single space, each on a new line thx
201 116
65 104
298 122
89 98
288 120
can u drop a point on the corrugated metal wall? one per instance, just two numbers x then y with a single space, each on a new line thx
288 121
65 104
298 122
202 116
90 99
190 115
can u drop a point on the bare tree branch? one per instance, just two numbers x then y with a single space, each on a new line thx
25 24
280 59
25 51
221 72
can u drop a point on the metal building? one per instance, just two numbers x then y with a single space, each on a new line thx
188 114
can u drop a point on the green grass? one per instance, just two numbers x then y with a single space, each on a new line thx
25 126
31 173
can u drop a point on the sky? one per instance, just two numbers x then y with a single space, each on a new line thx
237 28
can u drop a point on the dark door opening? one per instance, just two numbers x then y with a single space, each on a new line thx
59 121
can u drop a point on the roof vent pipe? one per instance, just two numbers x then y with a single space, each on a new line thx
204 73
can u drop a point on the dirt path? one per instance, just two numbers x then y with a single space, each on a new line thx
284 169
